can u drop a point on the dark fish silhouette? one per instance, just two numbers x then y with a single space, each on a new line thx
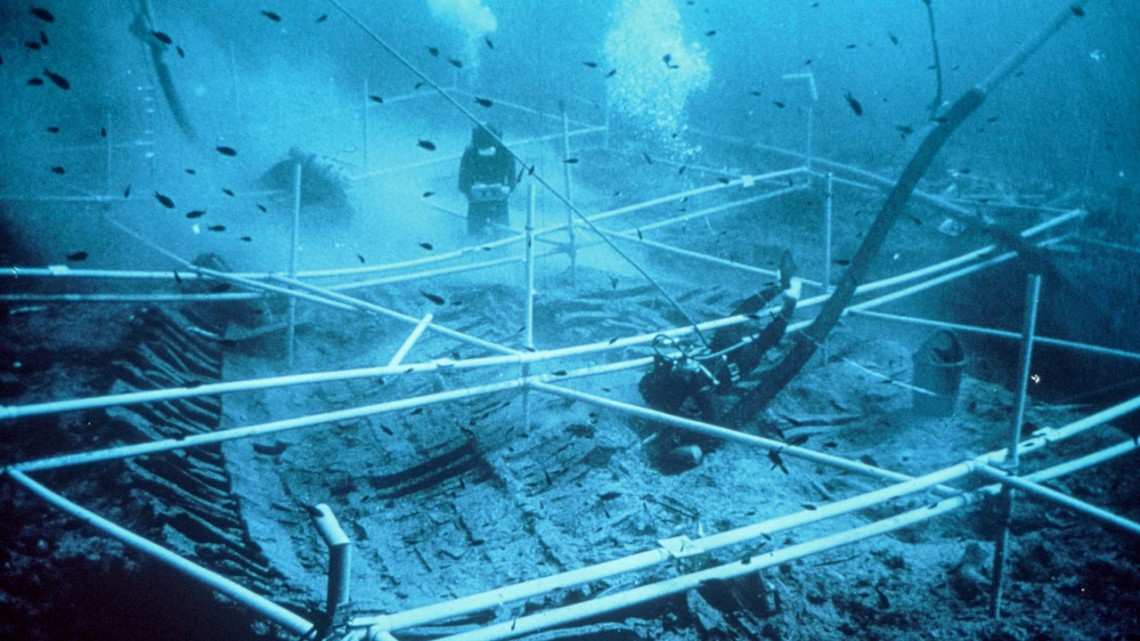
483 102
181 53
33 45
53 130
164 200
360 258
458 64
648 159
427 246
434 51
227 151
376 99
246 239
162 37
426 144
778 104
102 132
487 41
77 256
127 192
58 170
710 33
321 18
855 106
777 461
192 172
438 300
197 213
272 16
1077 11
611 73
227 191
59 80
571 161
668 59
592 65
42 14
262 208
428 194
216 228
893 37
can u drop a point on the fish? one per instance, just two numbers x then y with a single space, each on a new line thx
1 60
216 228
181 53
59 80
227 191
166 201
779 105
590 64
58 170
360 258
321 18
611 73
710 33
487 41
438 300
271 15
427 246
33 45
434 51
992 119
668 60
428 194
376 99
77 257
162 37
777 461
851 46
893 37
426 144
639 235
226 151
246 239
842 262
192 172
197 213
262 208
722 180
483 102
560 372
571 161
102 132
454 62
682 169
855 106
418 86
1077 11
808 506
53 130
905 130
42 14
647 157
127 192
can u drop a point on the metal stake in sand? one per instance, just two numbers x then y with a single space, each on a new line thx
809 78
292 328
340 561
571 247
1001 546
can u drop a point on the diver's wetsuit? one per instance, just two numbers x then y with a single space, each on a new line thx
486 168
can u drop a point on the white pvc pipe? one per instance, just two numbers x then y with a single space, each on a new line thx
1054 496
291 329
263 606
410 341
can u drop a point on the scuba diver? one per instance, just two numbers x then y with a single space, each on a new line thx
687 383
487 177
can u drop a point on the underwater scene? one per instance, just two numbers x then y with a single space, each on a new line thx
630 320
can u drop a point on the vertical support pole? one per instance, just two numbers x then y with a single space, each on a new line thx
606 132
827 212
808 151
340 560
1001 546
110 149
529 321
364 125
570 222
296 241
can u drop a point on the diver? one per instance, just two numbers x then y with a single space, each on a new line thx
687 382
487 177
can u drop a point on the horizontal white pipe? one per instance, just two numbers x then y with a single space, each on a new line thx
492 598
594 607
1085 347
1060 498
263 606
